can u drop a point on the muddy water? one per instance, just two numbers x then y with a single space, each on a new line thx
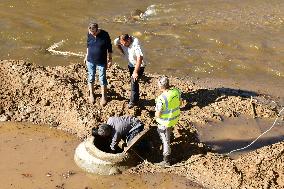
234 40
239 132
42 157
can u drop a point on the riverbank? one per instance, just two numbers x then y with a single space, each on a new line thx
58 96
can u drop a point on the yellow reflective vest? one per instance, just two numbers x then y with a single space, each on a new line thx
170 108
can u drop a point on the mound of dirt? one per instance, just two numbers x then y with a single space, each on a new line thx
58 96
262 168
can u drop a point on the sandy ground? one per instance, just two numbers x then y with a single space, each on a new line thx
58 97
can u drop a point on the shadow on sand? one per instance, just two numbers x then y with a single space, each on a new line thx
204 97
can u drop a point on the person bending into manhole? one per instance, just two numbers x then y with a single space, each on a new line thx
167 115
119 128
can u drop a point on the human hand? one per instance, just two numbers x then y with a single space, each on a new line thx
109 64
135 76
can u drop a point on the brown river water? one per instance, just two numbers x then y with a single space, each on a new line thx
237 41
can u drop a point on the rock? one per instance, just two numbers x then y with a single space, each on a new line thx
10 113
5 118
2 111
114 171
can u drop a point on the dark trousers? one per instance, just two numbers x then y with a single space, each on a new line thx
134 97
137 127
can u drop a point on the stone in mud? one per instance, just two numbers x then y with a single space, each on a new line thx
114 171
2 111
10 113
5 118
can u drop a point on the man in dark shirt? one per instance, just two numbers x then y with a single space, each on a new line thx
99 55
124 127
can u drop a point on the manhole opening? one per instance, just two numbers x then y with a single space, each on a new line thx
103 144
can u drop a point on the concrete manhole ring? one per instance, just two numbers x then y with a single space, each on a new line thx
93 160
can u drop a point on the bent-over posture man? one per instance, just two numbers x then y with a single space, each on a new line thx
167 115
131 48
117 128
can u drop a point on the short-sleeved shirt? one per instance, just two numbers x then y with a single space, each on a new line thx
120 128
98 47
132 52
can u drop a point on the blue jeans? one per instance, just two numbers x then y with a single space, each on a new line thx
92 73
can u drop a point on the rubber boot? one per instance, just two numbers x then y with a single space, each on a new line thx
104 96
91 91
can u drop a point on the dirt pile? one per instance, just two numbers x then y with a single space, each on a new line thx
262 168
58 96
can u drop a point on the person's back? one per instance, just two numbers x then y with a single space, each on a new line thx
167 115
120 128
121 125
170 100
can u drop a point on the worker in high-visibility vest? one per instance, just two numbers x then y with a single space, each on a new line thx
167 114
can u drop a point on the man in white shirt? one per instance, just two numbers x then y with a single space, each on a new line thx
130 47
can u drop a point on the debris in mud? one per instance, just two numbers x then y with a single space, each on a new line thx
60 186
27 175
68 174
48 174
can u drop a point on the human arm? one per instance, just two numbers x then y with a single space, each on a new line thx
118 46
109 50
139 58
158 114
109 60
114 142
85 59
137 67
158 108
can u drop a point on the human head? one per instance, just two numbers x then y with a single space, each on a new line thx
125 40
93 27
164 82
104 130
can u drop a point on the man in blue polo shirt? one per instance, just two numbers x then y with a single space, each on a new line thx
99 55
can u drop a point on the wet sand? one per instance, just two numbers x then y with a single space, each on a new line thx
36 156
58 97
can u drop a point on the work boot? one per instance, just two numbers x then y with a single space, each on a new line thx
91 91
165 162
104 96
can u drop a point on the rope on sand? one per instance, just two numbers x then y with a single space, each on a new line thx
52 50
258 136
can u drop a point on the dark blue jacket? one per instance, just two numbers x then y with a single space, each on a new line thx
98 47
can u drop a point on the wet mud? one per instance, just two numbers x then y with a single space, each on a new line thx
58 97
37 156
